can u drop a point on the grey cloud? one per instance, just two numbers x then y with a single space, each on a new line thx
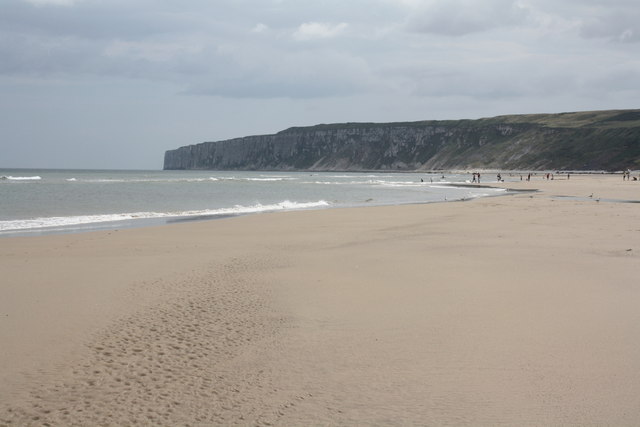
35 55
460 17
212 50
612 20
88 20
617 26
133 62
277 74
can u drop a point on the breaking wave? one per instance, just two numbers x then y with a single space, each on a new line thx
21 178
65 221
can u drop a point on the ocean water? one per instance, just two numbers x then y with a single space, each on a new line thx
59 201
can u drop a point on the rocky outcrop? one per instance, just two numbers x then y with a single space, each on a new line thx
579 141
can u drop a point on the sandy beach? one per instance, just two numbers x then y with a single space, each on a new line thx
515 310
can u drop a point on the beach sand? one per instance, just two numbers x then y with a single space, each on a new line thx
514 310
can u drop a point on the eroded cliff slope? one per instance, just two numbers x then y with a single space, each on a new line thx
599 140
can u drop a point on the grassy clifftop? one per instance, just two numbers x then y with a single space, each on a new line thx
593 119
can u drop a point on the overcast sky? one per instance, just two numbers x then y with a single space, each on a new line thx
115 83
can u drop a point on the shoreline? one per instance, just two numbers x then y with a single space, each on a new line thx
129 220
516 310
152 221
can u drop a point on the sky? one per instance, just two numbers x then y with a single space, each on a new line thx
112 84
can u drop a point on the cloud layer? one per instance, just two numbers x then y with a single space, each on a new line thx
371 59
279 49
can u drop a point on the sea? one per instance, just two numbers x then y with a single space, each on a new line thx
50 201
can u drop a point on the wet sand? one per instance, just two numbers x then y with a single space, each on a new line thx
512 310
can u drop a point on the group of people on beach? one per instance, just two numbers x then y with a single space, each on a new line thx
626 176
547 176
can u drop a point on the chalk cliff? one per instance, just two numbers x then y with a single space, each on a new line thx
601 140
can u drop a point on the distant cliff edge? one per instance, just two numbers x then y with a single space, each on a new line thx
594 140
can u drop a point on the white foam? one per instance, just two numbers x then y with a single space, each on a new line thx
326 183
374 182
211 178
21 178
399 183
146 180
264 179
35 223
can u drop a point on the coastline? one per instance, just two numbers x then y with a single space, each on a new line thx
516 310
55 201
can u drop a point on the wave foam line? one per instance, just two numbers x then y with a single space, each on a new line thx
27 224
164 180
371 183
21 178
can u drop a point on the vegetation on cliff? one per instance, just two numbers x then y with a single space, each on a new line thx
594 140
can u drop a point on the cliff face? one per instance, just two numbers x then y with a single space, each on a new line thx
590 140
